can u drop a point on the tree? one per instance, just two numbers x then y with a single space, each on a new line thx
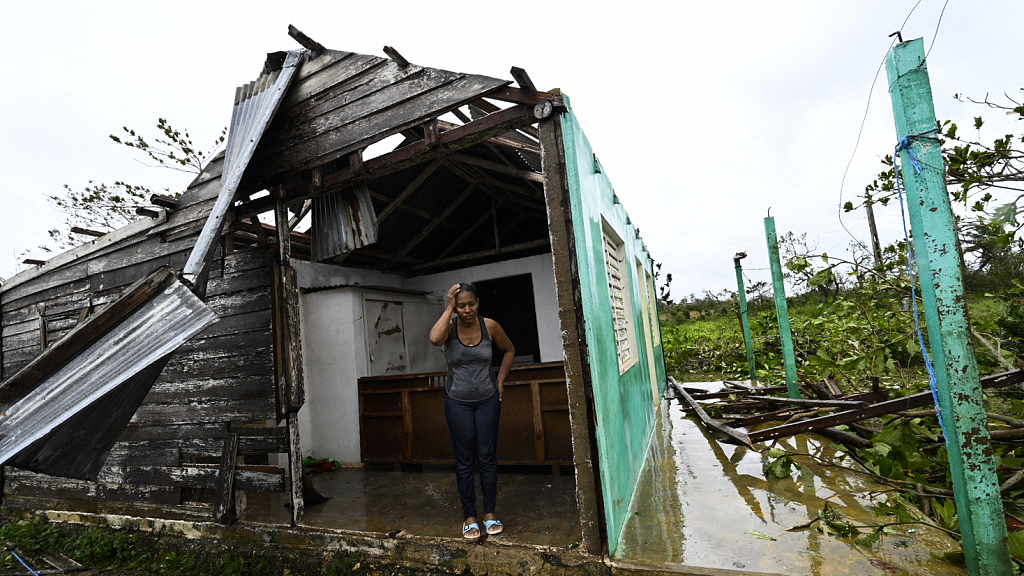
984 179
105 207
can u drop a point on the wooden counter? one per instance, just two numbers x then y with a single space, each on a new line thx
401 418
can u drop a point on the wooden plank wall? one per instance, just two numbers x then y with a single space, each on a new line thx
224 375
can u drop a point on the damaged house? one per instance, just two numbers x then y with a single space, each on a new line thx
279 308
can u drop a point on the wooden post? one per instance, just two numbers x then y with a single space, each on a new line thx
224 499
782 307
295 469
975 485
291 389
580 394
741 292
876 247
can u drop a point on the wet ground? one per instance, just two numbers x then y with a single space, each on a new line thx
703 503
535 506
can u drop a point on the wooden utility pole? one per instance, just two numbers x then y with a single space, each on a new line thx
876 248
975 485
782 308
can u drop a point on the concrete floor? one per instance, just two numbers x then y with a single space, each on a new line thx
701 503
535 506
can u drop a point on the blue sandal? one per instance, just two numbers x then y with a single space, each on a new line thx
467 527
488 524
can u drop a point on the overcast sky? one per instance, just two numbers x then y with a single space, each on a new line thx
704 114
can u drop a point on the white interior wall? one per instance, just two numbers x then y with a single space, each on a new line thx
542 270
331 354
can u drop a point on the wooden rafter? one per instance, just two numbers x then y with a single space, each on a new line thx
494 186
483 254
469 231
410 209
294 220
434 224
530 183
416 183
505 141
496 167
460 137
257 228
510 94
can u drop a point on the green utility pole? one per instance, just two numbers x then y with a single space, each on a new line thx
975 485
779 289
744 318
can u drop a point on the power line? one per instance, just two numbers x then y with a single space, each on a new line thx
864 119
936 33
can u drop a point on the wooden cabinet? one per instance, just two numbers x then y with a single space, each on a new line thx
401 418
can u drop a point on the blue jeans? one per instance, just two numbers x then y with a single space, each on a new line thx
474 430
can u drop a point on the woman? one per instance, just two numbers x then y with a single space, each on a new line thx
472 401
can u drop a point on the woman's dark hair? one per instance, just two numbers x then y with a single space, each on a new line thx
467 287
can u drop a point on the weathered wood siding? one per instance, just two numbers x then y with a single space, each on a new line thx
223 375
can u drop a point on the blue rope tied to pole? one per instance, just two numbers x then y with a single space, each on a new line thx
904 144
27 567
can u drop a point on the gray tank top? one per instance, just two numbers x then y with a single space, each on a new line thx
470 376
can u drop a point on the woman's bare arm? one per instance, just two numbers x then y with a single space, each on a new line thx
500 339
442 329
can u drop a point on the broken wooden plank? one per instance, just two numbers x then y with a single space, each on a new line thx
224 499
708 421
807 402
254 478
880 409
738 393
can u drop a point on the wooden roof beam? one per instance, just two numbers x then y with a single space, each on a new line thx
306 42
539 189
505 141
477 131
522 246
491 185
398 58
434 224
523 79
472 228
496 167
421 213
416 183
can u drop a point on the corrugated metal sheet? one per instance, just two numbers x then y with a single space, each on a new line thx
343 221
255 105
93 361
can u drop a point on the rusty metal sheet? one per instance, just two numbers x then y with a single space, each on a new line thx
123 347
255 105
343 221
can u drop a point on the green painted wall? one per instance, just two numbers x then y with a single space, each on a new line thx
624 403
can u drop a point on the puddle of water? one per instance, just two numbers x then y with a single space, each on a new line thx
703 503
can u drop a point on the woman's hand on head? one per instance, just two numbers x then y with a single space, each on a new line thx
452 293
